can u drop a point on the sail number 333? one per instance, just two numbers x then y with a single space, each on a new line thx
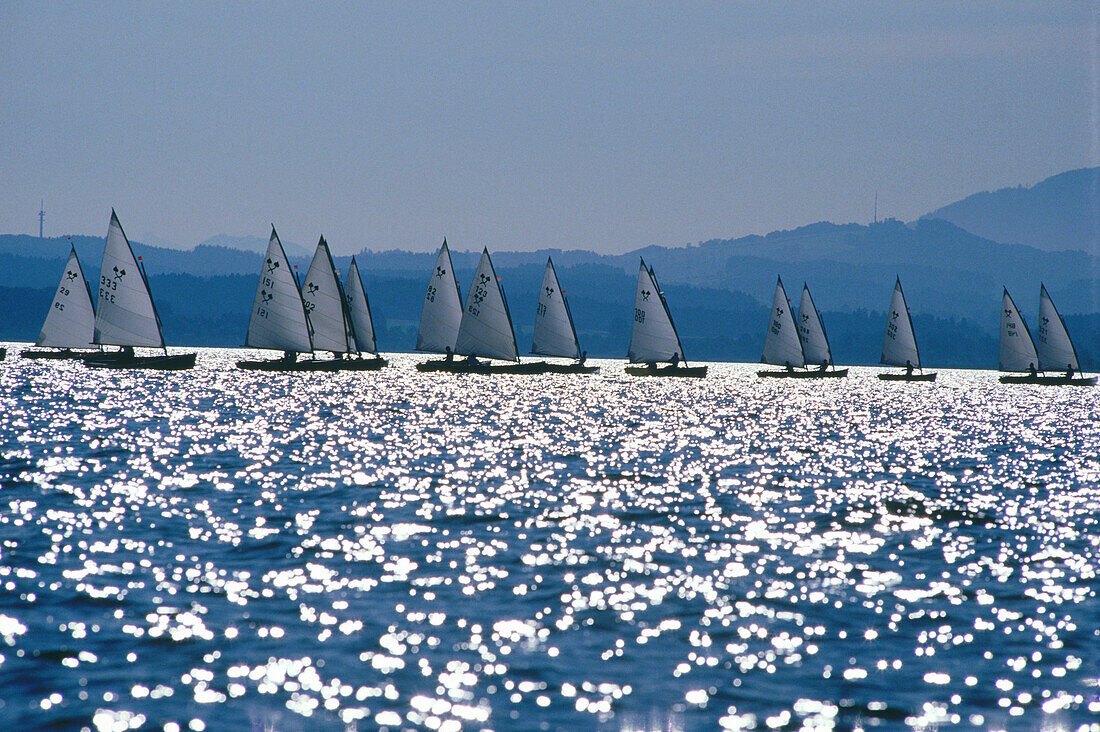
107 286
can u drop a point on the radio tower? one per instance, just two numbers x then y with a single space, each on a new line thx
41 217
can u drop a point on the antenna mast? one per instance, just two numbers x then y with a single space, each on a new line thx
876 207
41 217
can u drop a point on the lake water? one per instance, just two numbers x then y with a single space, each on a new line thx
218 549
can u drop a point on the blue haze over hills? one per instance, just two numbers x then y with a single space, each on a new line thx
953 263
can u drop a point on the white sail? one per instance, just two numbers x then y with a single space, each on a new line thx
899 345
442 311
815 345
71 320
359 309
781 343
486 327
554 331
324 301
125 314
278 319
1017 348
653 337
1056 351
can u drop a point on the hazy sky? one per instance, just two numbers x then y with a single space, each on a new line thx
526 125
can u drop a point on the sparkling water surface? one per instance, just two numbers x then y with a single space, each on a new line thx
219 549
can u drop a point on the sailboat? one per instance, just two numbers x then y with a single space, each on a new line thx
441 313
125 314
361 322
486 328
278 320
555 334
899 344
653 338
796 347
782 346
326 306
1055 351
70 322
815 343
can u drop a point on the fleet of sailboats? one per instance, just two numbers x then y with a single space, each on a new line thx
899 343
1055 351
70 322
653 336
797 348
484 324
329 315
125 315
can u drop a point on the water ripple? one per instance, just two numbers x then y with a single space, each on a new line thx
222 549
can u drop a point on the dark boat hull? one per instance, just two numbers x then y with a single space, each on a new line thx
3 353
342 364
570 368
488 369
278 364
696 372
833 374
908 377
1050 380
454 367
174 362
62 354
363 364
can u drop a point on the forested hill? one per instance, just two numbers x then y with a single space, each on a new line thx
1057 214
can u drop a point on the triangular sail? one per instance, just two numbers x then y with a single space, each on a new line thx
1017 348
278 319
442 311
486 327
71 320
781 343
899 345
324 302
653 337
125 314
359 308
1056 351
554 331
815 345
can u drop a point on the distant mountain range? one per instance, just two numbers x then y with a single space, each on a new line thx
719 291
1061 213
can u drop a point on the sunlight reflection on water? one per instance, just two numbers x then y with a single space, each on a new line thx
222 549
